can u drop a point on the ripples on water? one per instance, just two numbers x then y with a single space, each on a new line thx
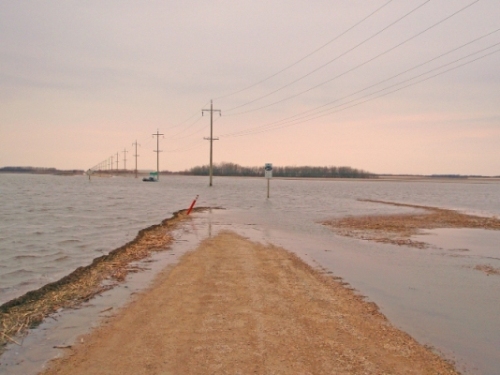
49 225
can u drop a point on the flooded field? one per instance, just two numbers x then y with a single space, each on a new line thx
51 225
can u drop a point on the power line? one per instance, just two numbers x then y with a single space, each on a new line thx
186 128
370 99
365 62
335 59
269 127
309 54
193 133
406 71
186 120
385 80
188 147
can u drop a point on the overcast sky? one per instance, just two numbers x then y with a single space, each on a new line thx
401 86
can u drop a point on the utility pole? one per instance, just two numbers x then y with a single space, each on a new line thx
117 161
125 159
211 139
157 154
111 163
135 157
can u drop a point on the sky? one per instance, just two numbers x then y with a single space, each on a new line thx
399 87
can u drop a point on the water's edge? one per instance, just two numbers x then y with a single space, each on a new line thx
29 310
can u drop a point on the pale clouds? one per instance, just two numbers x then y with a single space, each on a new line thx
81 81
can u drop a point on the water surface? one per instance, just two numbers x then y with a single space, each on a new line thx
50 225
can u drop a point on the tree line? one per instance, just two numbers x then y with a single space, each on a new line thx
231 169
40 170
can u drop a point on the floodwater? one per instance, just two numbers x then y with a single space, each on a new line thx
51 225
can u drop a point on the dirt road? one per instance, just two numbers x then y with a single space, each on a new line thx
236 307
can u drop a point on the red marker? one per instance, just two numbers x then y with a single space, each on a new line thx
192 205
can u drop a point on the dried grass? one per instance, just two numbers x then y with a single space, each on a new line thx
487 269
398 229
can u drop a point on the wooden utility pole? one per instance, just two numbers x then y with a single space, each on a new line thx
157 154
125 159
211 139
117 161
135 143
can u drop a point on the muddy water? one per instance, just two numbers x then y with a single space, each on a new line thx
436 295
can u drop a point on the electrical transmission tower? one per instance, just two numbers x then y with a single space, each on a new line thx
157 135
211 139
135 144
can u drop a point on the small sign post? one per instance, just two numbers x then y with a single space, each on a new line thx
268 173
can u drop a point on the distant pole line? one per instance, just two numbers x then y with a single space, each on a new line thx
117 161
211 139
157 135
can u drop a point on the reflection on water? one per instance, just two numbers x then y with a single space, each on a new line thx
51 225
478 243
